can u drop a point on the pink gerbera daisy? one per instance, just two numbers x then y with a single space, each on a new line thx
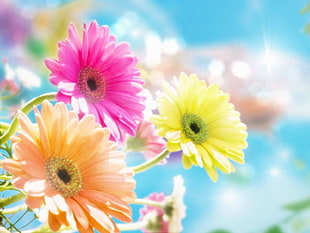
146 141
98 76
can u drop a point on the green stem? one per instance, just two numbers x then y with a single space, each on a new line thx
9 200
47 229
8 221
14 209
148 202
5 177
4 126
11 95
25 109
130 226
152 162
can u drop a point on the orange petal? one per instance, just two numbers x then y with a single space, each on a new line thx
20 180
50 203
78 213
27 148
60 202
82 230
97 218
105 199
34 168
62 218
44 137
36 187
53 222
27 125
11 166
34 202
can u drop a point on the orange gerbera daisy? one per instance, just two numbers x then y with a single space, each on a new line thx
71 167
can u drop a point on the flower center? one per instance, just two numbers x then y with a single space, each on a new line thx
136 143
63 175
91 84
194 128
154 222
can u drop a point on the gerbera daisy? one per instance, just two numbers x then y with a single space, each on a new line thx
152 216
146 141
174 205
168 217
98 76
199 120
79 186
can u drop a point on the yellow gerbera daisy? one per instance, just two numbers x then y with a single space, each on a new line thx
199 120
70 167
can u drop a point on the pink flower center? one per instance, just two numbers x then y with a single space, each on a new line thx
91 84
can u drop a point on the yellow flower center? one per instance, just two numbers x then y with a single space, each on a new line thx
91 84
194 128
63 175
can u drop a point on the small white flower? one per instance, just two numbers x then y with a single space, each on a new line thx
9 72
27 78
168 216
175 207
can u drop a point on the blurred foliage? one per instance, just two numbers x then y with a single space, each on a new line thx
220 231
299 205
307 29
274 229
305 10
35 47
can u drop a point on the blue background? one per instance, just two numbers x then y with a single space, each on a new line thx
276 171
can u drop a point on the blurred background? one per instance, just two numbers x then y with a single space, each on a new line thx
256 50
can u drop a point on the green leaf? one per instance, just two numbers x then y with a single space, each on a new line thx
299 205
220 231
274 229
307 29
306 9
35 47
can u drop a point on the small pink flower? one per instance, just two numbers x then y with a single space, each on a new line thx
147 141
167 217
98 76
154 216
9 85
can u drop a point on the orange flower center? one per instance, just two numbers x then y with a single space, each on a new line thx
91 84
63 175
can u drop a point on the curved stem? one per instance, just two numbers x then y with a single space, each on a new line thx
9 200
152 162
11 95
25 109
4 126
140 201
130 226
14 209
5 177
